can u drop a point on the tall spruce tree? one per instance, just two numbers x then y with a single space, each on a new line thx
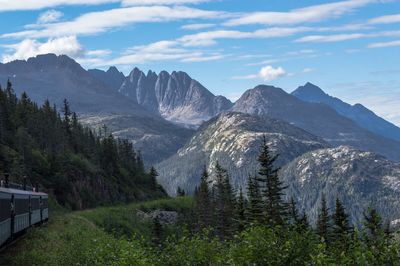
153 178
204 208
293 212
341 226
224 202
241 211
255 206
275 208
374 232
323 221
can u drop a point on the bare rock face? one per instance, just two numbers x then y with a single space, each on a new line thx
233 139
176 96
164 217
360 179
318 119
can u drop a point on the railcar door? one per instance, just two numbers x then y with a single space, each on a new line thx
21 219
5 217
35 210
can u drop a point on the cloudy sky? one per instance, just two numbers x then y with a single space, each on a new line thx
351 48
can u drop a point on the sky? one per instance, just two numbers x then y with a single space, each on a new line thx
351 49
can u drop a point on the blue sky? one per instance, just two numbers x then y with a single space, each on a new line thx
351 49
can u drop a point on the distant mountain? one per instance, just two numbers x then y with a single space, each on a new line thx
113 78
360 179
358 113
176 96
318 119
59 77
233 139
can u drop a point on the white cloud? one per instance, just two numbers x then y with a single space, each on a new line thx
347 36
13 5
101 21
161 51
384 44
209 37
267 73
303 15
161 2
197 26
385 19
29 48
50 16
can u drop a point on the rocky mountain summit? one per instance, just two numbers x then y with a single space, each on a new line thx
176 96
233 139
357 113
318 119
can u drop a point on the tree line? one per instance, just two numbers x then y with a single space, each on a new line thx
82 167
222 212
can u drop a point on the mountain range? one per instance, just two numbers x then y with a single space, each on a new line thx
325 144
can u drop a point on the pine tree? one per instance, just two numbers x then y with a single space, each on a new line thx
275 208
241 211
323 221
373 227
153 178
341 225
224 202
303 224
204 209
293 212
255 207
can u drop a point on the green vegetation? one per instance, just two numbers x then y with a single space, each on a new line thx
82 168
79 238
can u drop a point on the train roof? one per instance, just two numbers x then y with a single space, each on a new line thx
21 192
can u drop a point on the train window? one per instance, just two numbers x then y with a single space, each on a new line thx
45 203
21 206
5 209
35 204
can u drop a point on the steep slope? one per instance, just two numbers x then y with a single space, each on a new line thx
358 113
233 139
176 96
315 118
113 78
360 179
59 77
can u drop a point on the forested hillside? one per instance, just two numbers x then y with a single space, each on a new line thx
82 168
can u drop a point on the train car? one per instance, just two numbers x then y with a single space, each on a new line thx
44 207
20 209
5 216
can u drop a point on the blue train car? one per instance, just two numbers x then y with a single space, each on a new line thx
20 209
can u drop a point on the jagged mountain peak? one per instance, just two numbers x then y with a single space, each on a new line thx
176 96
310 89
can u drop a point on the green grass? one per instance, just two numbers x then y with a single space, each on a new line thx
83 238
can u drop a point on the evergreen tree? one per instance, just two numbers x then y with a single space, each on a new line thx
373 227
255 207
204 209
275 208
303 223
224 202
293 212
241 211
341 225
153 178
323 221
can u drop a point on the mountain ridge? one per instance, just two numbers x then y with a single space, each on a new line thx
357 112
